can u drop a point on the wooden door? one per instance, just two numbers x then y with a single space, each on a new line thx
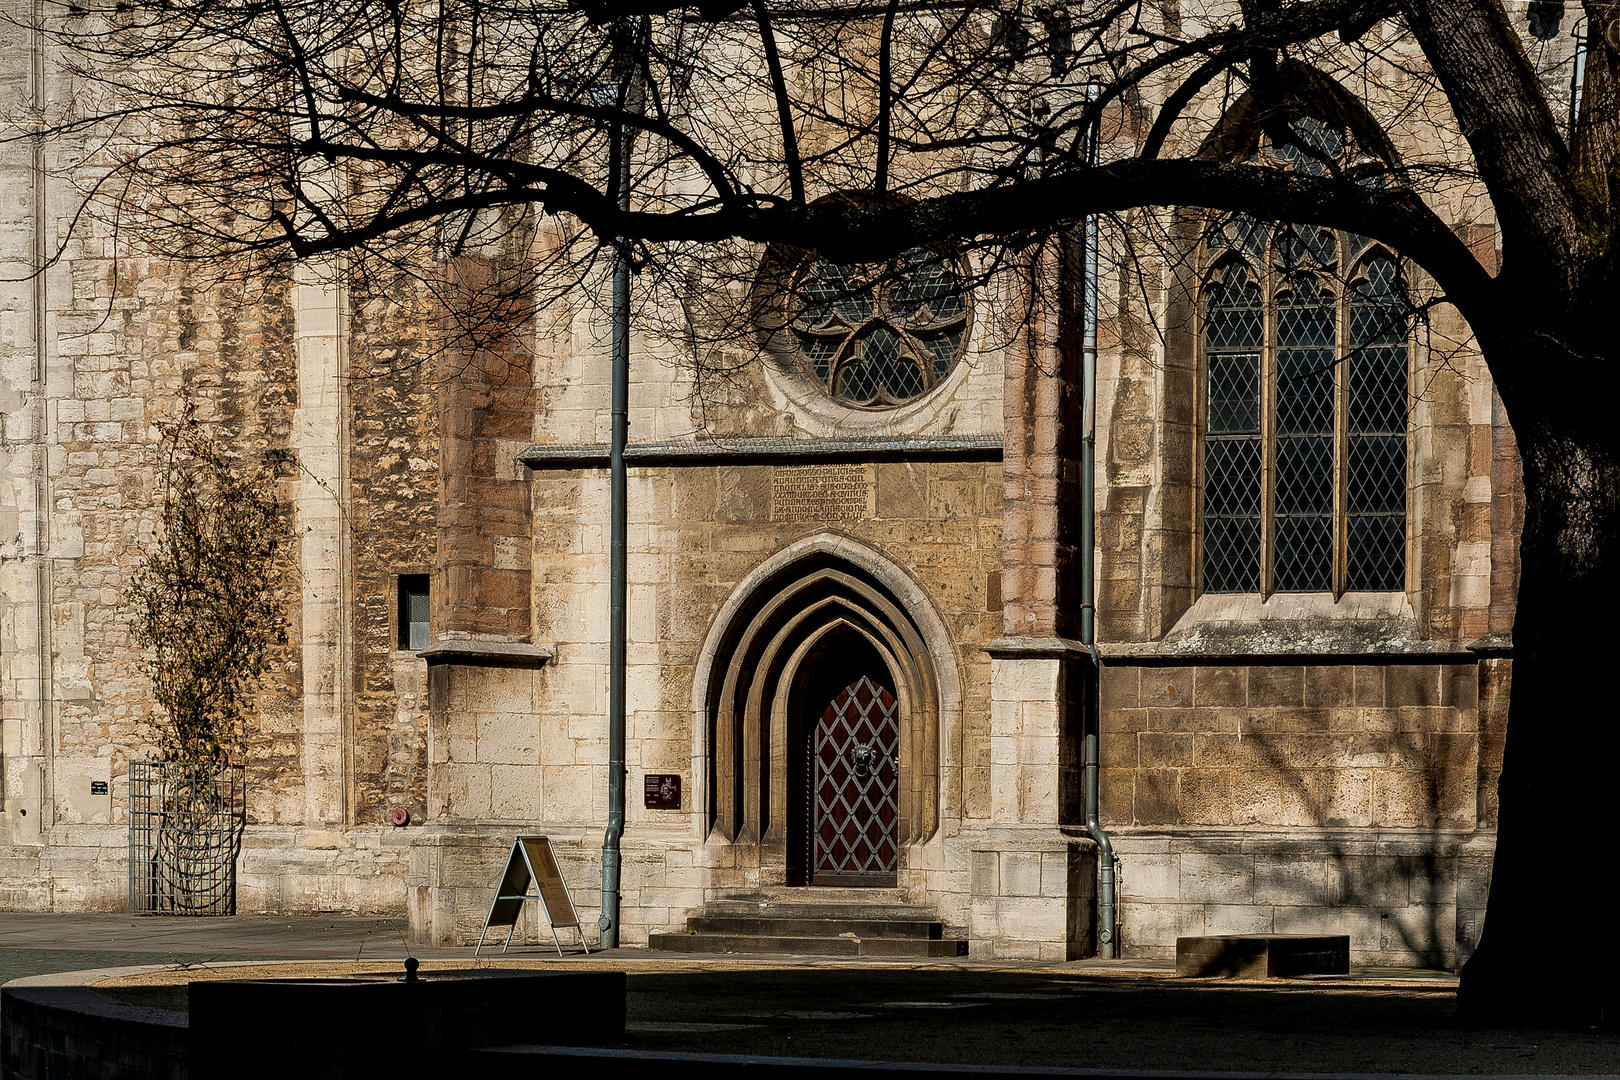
856 785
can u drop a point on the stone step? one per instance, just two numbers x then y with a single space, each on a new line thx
825 912
781 944
1262 956
881 946
808 927
817 894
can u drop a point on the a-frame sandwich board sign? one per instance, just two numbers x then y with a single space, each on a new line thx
532 860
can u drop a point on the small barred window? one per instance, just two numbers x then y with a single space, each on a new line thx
415 612
1305 336
876 336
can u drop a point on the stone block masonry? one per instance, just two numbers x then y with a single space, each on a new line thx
1370 744
1290 763
1290 796
1400 896
486 406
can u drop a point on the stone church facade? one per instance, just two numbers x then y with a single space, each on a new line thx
865 562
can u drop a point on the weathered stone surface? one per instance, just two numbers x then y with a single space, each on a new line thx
1268 762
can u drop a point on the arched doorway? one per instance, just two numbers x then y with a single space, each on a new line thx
850 772
786 659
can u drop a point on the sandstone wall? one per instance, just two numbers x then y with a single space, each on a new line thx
99 350
393 512
1290 763
1306 762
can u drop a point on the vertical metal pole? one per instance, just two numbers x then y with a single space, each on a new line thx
618 560
1107 945
1577 77
617 630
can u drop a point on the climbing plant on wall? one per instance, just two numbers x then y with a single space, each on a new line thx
206 600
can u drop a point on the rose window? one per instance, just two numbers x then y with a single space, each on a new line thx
880 335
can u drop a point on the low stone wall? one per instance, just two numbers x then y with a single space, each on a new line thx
454 870
1020 894
335 1020
56 1027
358 871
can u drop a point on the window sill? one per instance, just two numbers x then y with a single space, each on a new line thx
474 653
1240 625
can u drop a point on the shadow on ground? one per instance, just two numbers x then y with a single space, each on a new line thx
1086 1015
1061 1018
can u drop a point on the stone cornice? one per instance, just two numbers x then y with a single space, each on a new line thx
1157 654
1035 648
472 652
754 451
1492 646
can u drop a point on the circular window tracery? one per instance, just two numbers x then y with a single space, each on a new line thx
879 335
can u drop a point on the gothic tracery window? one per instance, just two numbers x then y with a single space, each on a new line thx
1305 348
876 336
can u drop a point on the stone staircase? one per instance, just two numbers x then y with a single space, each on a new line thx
814 922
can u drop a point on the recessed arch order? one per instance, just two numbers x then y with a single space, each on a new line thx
819 595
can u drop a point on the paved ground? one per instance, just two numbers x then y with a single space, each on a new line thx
38 944
1090 1014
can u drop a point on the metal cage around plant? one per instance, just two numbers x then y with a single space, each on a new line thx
185 829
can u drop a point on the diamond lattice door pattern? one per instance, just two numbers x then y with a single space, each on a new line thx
857 787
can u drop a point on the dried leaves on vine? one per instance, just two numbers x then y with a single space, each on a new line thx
207 604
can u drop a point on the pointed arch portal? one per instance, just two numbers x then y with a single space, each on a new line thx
820 692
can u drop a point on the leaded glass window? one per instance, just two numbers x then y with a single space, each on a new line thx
1305 350
880 335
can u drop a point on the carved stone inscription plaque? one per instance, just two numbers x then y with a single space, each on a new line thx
821 493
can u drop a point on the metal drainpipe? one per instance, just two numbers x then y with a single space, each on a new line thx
1108 946
608 923
1577 77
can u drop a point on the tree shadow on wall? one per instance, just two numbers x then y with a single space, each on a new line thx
1408 877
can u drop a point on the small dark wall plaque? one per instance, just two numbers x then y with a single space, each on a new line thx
662 791
98 787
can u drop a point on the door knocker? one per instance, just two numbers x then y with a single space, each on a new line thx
865 757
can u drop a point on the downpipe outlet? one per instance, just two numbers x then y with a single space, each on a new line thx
607 923
1107 921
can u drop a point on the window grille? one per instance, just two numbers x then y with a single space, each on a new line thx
1305 342
880 335
414 612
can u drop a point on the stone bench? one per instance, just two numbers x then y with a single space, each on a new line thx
1262 956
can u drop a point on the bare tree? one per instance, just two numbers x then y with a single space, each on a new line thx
400 132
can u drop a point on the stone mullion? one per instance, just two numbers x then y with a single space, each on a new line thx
1341 432
1268 425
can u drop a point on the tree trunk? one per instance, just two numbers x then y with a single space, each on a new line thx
1549 943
